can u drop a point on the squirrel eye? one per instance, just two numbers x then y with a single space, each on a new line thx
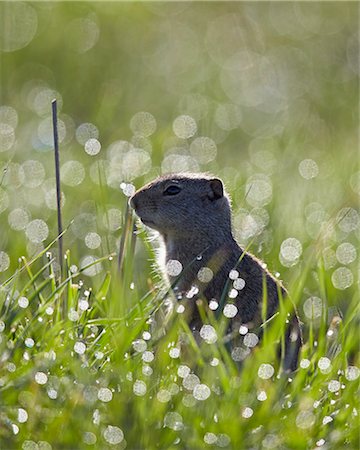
172 190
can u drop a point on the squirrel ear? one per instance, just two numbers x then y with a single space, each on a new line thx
217 189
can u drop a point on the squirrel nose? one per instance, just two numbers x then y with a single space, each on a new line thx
132 202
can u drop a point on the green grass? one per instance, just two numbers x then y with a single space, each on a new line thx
121 377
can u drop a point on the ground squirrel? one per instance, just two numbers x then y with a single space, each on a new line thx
192 213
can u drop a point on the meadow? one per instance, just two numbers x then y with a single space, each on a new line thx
263 95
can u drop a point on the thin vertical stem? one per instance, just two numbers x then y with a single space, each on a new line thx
57 178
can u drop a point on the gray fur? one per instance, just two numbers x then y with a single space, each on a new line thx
195 225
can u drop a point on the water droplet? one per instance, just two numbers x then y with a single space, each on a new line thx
173 420
174 353
230 311
203 149
324 364
210 438
143 123
4 261
247 413
243 329
23 302
72 173
290 252
113 435
346 253
37 231
259 190
304 363
183 371
239 284
201 392
163 396
105 395
205 275
184 127
327 419
266 371
305 419
262 396
79 348
41 378
18 219
239 353
29 343
213 305
342 278
173 267
352 373
251 340
334 386
85 132
139 388
208 333
233 274
89 438
22 415
308 169
190 381
147 356
348 219
313 307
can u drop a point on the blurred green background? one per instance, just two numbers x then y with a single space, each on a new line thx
263 94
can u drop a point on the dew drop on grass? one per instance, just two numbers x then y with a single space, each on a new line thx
313 307
201 392
41 378
233 293
85 132
210 438
190 381
174 353
23 302
183 371
173 267
113 435
203 149
324 364
290 252
143 124
184 127
223 440
239 353
72 173
213 305
233 274
92 270
22 415
29 343
15 428
2 326
205 275
139 345
327 419
239 284
18 219
37 231
243 330
305 363
320 442
305 419
89 438
308 169
139 388
73 315
334 386
147 356
79 348
251 340
230 311
346 253
4 261
174 421
163 396
34 173
247 412
265 371
208 333
105 395
348 219
342 278
262 396
9 116
92 147
352 373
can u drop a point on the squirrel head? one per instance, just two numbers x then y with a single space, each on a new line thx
184 204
